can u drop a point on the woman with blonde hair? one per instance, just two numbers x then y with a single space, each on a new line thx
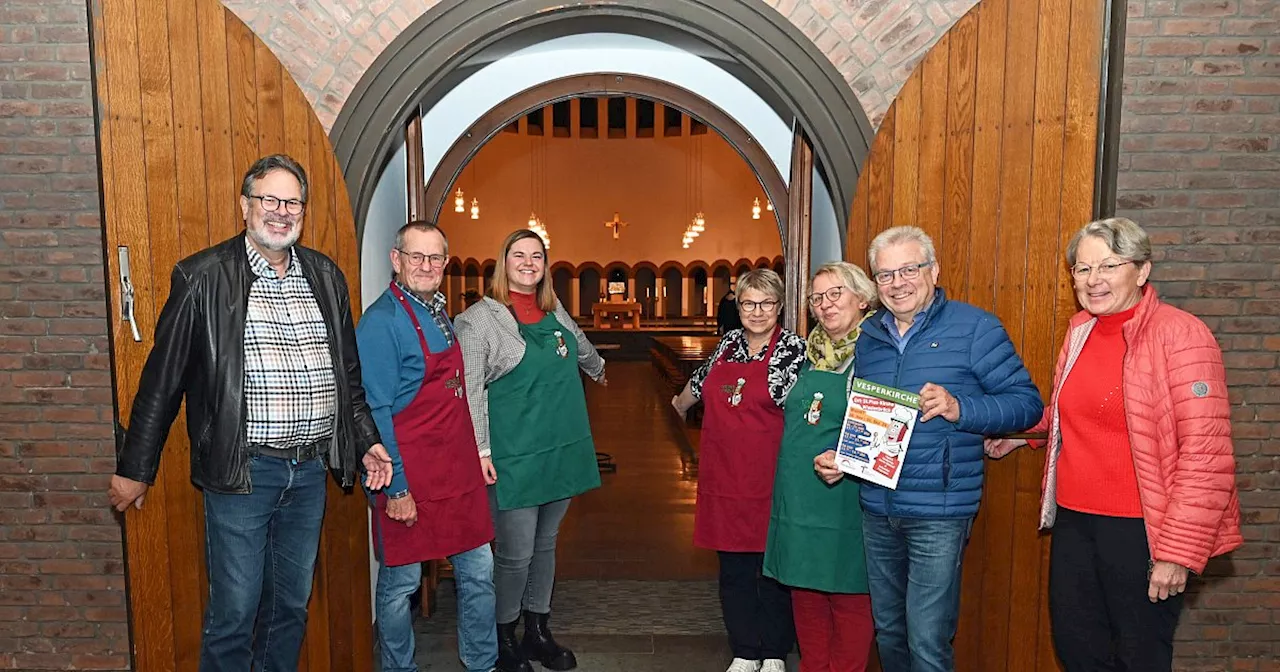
1139 485
522 352
743 386
815 529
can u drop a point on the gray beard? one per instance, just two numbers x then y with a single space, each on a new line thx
256 235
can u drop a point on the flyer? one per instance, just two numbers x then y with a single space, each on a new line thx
876 431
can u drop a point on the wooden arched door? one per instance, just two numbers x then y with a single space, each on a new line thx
990 147
187 98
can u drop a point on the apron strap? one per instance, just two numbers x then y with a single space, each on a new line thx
768 351
404 302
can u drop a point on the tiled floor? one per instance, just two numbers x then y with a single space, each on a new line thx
632 592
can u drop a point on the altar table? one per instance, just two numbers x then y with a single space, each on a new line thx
627 310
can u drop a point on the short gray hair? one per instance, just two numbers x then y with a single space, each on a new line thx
1122 235
423 226
265 165
898 235
764 281
851 276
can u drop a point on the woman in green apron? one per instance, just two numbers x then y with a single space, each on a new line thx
815 529
521 352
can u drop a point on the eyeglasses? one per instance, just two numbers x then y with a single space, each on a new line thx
908 272
750 306
271 204
831 295
416 258
1082 272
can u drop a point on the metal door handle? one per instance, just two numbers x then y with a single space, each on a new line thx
126 294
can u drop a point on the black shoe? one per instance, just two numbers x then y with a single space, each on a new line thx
539 645
510 657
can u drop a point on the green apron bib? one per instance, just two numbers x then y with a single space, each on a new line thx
538 427
815 530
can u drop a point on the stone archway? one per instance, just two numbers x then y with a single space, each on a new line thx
758 46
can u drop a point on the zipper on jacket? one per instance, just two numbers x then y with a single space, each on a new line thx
897 379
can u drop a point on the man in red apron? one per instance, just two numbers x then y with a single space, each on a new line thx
436 505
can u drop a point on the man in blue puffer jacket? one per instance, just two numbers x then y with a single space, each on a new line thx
972 384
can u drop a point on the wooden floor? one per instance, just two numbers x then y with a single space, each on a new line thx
639 524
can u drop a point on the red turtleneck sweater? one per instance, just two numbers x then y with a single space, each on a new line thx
1095 471
526 307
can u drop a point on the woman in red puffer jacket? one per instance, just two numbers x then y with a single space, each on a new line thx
1139 485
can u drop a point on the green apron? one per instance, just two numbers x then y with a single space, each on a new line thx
538 427
815 529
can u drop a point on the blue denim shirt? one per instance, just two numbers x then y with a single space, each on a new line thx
891 326
392 365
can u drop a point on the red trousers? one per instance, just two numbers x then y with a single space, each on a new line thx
834 630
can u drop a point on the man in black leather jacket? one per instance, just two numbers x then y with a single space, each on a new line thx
258 334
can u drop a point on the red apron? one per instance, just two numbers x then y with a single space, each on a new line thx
741 435
441 462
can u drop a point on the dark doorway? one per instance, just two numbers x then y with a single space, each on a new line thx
672 293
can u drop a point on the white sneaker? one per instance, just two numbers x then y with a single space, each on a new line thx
744 665
774 665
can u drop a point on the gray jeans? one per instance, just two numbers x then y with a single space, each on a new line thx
524 556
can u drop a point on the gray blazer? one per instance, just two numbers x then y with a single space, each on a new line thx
492 347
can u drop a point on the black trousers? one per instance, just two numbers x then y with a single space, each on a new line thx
757 609
1098 606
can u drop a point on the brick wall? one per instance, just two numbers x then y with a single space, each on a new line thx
1200 169
61 588
328 44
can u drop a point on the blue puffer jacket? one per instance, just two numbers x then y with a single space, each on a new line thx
966 350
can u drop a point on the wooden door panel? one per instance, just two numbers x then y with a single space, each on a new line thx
188 98
990 148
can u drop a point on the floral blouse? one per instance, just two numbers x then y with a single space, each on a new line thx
784 366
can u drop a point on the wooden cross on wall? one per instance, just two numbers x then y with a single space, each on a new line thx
616 225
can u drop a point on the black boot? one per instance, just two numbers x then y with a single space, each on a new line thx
510 657
539 645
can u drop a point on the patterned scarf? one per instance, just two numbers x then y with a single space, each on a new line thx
828 355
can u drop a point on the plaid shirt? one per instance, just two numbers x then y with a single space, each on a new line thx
435 307
289 385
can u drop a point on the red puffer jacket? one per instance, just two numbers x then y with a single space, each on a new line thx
1176 407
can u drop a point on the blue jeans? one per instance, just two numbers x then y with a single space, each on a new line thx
477 629
913 565
261 553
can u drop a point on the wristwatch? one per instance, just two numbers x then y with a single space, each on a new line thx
399 495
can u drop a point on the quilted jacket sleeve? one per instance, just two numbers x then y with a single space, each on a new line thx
1010 401
1203 479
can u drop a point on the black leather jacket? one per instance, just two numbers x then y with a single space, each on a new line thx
199 352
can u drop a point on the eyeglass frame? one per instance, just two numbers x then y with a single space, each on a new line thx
908 272
1105 270
436 260
815 299
286 202
758 305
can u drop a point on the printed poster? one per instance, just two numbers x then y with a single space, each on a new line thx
877 428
